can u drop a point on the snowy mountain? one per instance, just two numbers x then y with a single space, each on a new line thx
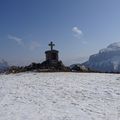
60 96
107 60
3 65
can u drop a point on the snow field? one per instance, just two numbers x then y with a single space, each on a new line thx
60 96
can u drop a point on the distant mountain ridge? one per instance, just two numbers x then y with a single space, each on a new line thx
3 65
107 60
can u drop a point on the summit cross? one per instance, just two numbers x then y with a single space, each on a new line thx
51 45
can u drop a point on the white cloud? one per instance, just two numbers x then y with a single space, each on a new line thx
77 32
31 46
16 39
34 45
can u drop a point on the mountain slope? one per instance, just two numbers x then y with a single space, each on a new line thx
3 65
107 60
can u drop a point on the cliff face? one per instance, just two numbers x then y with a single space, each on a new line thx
107 60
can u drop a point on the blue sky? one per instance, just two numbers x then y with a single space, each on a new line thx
79 28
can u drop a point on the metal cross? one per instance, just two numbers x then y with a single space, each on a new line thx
51 45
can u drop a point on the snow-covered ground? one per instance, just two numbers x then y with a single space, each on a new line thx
60 96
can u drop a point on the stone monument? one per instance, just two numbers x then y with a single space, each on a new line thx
52 55
52 62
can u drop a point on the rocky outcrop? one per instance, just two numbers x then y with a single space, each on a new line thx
46 66
79 68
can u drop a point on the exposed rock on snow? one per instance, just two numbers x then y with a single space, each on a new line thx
59 96
79 68
107 60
